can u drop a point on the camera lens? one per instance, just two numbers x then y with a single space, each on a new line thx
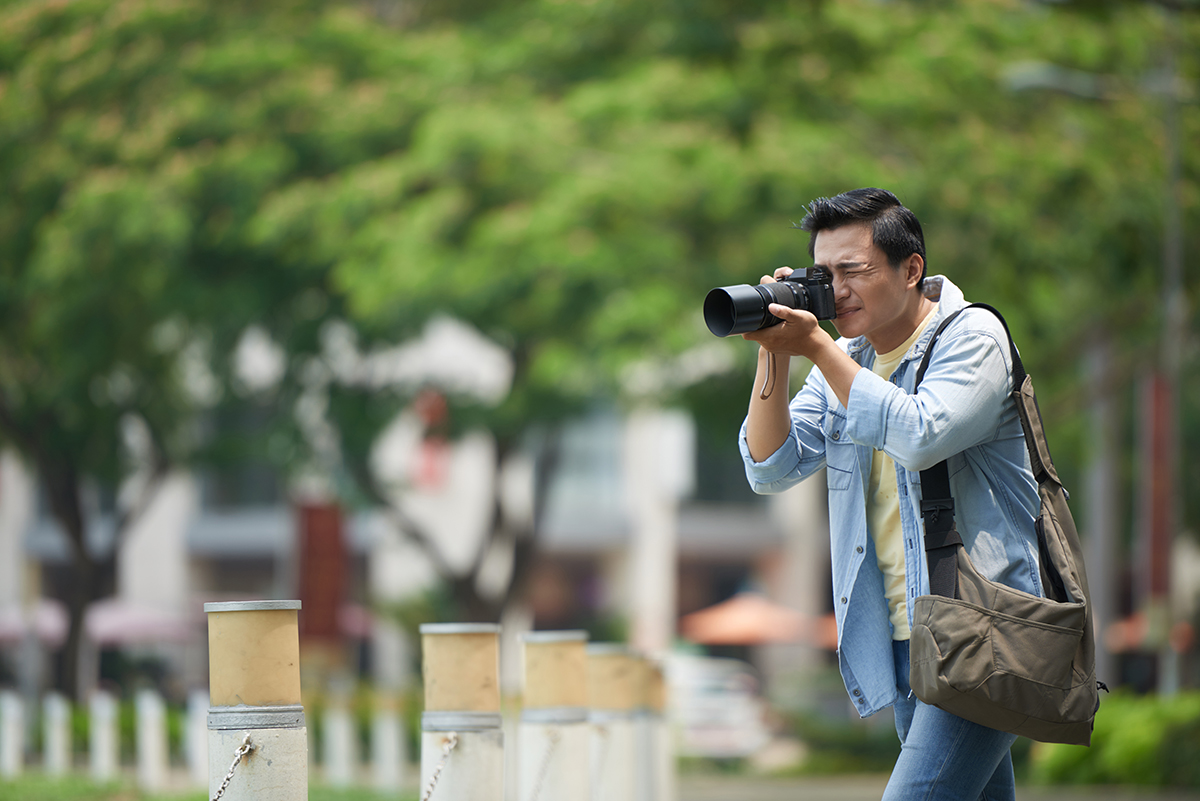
743 308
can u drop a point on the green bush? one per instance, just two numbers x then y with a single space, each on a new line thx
1138 740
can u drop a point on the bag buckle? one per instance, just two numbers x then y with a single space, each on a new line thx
931 510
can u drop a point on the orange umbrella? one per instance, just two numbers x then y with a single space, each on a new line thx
750 619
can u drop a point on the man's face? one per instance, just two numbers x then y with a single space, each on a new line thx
873 298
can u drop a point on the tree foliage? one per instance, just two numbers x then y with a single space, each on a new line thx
569 177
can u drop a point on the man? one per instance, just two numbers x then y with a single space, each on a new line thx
858 417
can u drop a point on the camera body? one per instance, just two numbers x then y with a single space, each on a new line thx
742 308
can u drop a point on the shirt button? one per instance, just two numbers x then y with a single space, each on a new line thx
858 549
843 599
837 435
857 693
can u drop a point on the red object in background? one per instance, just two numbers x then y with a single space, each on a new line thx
750 619
1158 491
433 464
323 571
433 459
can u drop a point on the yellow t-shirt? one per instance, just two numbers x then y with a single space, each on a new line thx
883 505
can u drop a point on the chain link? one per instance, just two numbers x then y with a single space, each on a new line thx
552 736
448 745
245 748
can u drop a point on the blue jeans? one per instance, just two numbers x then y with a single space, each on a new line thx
943 757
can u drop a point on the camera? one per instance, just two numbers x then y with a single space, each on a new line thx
742 308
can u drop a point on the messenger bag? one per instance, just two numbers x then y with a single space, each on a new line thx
990 653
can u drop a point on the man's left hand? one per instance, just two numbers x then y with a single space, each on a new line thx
800 334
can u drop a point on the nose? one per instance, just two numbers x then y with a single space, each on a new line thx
841 290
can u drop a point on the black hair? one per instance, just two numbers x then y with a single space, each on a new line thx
894 228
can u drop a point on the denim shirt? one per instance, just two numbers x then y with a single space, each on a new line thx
962 413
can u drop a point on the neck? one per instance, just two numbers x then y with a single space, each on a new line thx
915 312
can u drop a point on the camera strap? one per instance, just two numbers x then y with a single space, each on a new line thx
769 379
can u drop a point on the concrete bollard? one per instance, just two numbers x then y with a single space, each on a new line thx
56 735
151 728
665 788
554 737
645 759
655 751
462 739
12 735
104 757
612 694
257 738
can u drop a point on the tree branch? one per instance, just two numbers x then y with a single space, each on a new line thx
409 528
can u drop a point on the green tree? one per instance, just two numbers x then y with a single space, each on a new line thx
137 141
570 178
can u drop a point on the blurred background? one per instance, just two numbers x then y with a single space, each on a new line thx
393 307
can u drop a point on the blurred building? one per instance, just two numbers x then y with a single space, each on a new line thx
237 535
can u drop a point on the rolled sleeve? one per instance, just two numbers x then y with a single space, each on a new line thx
777 472
802 453
870 400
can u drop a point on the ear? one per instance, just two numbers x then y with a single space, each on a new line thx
914 268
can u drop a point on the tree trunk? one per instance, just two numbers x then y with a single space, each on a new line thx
91 577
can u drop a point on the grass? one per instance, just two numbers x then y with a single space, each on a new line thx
40 788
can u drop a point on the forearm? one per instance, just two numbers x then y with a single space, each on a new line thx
769 421
837 367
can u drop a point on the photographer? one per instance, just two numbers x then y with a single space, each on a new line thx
857 417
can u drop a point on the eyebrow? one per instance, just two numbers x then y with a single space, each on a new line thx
844 265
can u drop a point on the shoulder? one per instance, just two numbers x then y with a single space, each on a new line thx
977 321
974 329
968 320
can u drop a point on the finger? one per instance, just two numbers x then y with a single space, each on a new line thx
787 313
766 279
782 273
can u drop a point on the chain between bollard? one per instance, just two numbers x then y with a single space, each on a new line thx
552 737
245 748
448 745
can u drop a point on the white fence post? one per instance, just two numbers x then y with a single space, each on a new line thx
104 755
151 740
389 747
12 735
196 737
339 749
462 739
56 734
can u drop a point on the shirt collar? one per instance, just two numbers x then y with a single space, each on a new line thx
937 288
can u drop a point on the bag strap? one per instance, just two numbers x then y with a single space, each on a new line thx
937 503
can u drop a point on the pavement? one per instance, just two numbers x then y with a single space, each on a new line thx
870 788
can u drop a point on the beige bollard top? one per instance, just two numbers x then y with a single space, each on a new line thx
460 663
650 681
556 669
612 677
254 653
656 695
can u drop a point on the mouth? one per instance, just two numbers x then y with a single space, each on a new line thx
846 312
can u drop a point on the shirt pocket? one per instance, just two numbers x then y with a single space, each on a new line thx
841 453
